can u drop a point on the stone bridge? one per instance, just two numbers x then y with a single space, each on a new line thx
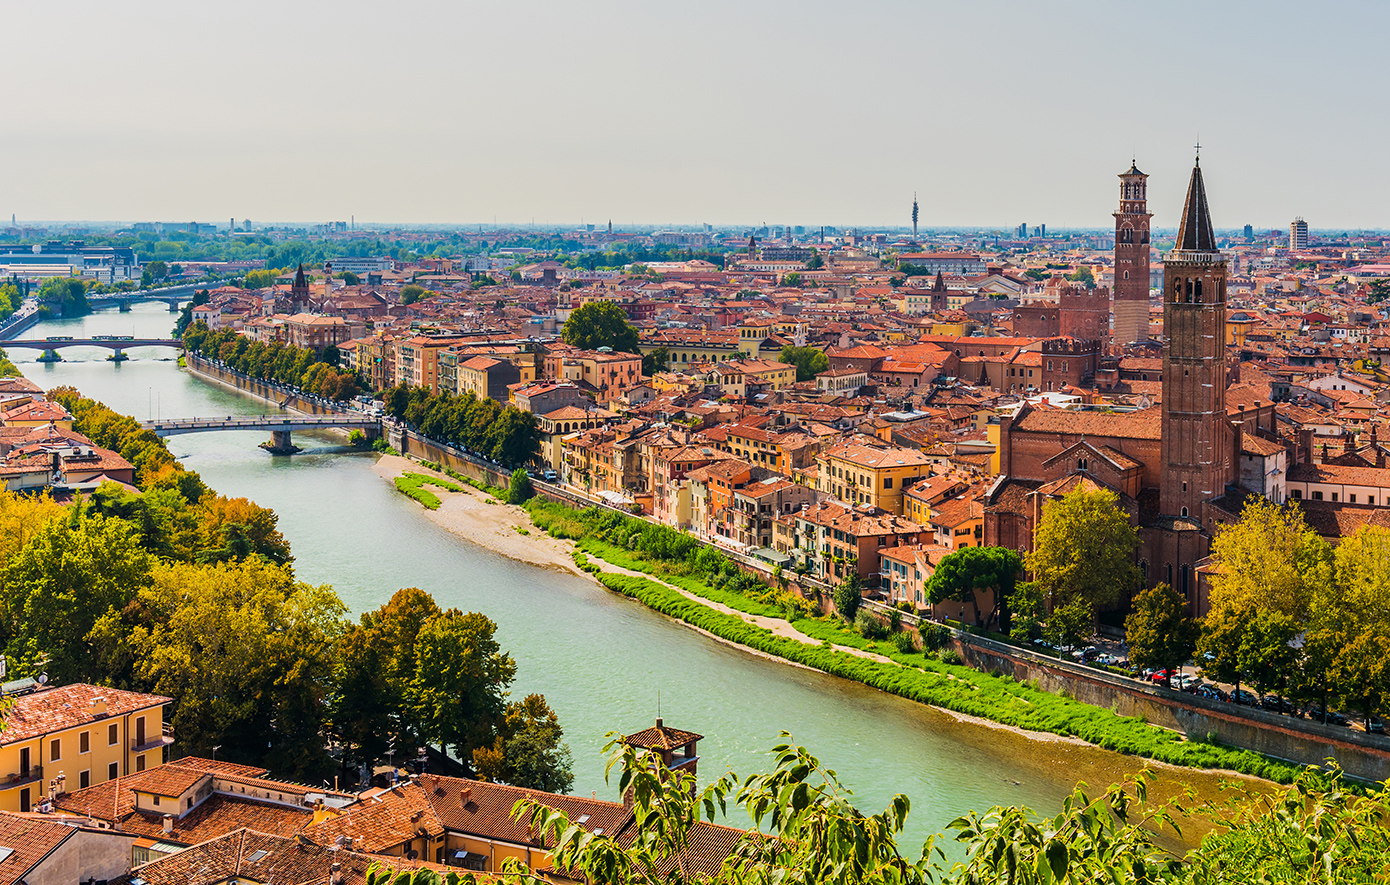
280 427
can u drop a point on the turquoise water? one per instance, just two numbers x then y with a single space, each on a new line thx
600 660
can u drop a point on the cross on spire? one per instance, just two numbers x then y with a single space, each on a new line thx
1199 150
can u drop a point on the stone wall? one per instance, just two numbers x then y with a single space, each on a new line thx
281 397
1362 756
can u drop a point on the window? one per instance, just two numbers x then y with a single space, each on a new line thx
24 800
1317 496
1298 495
1184 511
141 768
84 780
84 742
55 750
113 771
111 735
1080 463
1334 496
888 482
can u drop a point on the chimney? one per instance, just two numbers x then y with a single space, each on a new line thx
1305 444
98 707
658 722
465 795
168 824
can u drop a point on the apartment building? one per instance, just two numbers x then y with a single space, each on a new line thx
861 474
608 374
75 736
830 541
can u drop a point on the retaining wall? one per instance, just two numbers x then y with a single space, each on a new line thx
1362 756
245 384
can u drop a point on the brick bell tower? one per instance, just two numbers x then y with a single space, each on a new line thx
1196 435
1131 301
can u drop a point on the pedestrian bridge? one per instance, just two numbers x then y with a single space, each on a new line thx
280 426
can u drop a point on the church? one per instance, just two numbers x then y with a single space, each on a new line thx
1181 468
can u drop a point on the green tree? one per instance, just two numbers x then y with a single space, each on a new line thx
261 279
965 573
848 594
1159 631
461 680
792 279
1378 291
600 324
815 262
350 278
809 361
158 270
61 583
1084 550
7 368
519 490
247 652
412 293
656 361
1349 621
529 750
1084 276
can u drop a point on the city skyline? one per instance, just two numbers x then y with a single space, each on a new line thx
440 115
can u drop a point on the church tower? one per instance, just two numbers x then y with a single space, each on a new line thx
1131 288
1196 436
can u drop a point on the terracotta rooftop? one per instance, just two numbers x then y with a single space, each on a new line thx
68 706
659 737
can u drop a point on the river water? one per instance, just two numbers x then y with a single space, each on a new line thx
600 660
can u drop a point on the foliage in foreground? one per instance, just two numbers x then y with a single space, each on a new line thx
803 828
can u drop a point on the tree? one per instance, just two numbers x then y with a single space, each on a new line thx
158 270
68 576
1083 275
461 679
1084 550
815 262
1379 291
1159 631
529 750
809 361
792 279
350 278
848 594
1350 619
411 293
600 324
261 279
656 361
247 653
963 574
519 490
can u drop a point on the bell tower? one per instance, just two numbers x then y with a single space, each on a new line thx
1196 435
1131 304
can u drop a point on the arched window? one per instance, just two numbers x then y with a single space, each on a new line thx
1199 291
1184 512
1126 274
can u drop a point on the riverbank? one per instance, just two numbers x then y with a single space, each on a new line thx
966 694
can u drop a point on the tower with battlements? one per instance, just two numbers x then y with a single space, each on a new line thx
1131 289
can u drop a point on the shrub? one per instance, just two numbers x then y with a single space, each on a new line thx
413 485
848 595
895 620
870 627
357 439
934 636
950 656
520 491
904 643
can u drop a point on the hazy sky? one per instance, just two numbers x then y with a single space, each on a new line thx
800 112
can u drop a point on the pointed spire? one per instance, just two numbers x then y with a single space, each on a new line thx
940 284
299 281
1194 231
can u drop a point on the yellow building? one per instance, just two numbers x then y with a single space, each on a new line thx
37 414
860 474
83 734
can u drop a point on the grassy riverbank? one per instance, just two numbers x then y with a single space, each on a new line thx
913 675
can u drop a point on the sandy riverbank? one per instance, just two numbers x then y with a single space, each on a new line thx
477 517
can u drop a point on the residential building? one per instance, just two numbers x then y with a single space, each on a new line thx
84 734
830 541
487 378
863 474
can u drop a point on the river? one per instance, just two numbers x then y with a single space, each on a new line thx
600 660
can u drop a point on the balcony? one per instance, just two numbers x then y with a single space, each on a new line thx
152 742
22 778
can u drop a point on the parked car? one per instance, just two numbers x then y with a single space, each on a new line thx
550 476
1277 704
1374 725
1212 693
1330 717
1245 698
1159 677
1188 682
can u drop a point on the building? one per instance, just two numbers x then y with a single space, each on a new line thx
105 264
487 378
966 264
860 474
76 736
1131 286
34 851
607 373
1298 235
830 541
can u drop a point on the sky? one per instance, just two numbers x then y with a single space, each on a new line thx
801 112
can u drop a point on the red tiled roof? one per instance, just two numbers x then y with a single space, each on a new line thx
55 709
31 841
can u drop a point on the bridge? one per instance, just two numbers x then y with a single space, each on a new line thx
117 344
280 427
171 295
